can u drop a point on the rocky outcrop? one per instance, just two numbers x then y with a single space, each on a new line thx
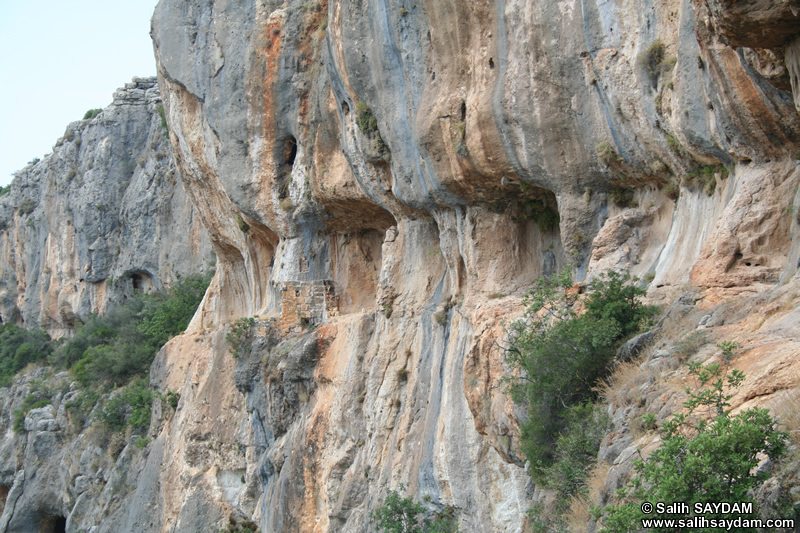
101 216
381 183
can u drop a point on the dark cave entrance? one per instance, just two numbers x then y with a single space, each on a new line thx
3 496
136 281
290 151
53 524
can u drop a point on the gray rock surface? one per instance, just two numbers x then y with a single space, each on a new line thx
100 216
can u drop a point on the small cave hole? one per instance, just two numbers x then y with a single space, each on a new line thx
345 108
141 282
290 151
3 492
748 264
463 111
491 63
53 524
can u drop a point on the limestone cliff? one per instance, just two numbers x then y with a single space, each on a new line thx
100 216
382 181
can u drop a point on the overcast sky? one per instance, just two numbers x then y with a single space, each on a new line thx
60 59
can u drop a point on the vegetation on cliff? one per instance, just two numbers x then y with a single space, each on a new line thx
561 349
18 348
560 355
404 515
704 458
108 352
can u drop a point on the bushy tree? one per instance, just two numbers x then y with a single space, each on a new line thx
700 459
18 347
403 515
560 354
164 318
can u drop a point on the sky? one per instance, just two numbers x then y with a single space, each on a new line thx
60 59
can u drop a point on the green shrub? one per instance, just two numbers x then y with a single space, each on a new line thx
622 197
89 115
705 178
673 144
5 190
18 347
365 120
19 420
246 526
672 190
576 449
606 153
164 125
286 204
655 60
131 406
560 356
26 206
239 336
702 460
403 515
546 220
243 225
163 318
652 57
172 398
545 217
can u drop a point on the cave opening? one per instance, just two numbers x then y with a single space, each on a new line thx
3 496
290 151
134 282
53 524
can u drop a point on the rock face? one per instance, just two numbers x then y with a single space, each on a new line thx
382 181
101 216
